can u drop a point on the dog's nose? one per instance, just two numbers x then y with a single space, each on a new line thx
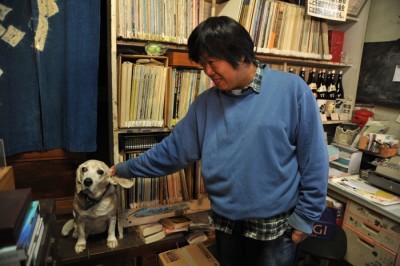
88 182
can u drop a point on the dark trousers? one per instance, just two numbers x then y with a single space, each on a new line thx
239 250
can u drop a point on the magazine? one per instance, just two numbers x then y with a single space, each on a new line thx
358 186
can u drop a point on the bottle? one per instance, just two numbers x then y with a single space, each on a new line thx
321 90
302 73
331 86
310 76
331 102
312 81
339 86
319 76
291 70
339 93
328 81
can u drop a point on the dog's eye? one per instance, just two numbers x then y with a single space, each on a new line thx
84 169
100 172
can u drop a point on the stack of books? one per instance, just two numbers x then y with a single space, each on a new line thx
151 232
21 228
176 224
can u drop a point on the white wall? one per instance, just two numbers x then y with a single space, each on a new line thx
384 25
383 21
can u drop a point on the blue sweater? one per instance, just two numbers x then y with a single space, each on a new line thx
262 153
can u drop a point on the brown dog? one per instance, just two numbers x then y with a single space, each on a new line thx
95 204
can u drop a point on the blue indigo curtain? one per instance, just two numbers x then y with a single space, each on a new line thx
49 59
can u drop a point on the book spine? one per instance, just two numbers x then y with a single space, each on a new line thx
336 39
28 228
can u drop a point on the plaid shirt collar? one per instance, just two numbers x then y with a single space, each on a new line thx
256 82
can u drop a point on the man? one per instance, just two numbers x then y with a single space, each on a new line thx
260 138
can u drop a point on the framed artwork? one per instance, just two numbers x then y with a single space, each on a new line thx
355 7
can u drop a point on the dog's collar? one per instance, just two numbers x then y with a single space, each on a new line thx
90 202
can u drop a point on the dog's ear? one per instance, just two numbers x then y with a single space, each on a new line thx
105 167
78 179
123 182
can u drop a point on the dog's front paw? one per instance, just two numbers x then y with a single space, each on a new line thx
80 246
112 242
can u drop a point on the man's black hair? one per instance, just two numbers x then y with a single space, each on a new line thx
222 38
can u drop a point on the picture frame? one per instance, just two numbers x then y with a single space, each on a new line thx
355 7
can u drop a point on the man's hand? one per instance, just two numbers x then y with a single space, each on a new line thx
298 236
113 171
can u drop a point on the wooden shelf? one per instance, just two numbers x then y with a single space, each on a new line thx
177 56
142 130
300 61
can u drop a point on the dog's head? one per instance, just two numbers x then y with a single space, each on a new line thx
93 178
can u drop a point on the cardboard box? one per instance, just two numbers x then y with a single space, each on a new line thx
325 227
194 255
181 59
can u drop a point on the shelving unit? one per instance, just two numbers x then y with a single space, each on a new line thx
354 30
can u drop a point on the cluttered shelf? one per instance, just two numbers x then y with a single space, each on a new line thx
132 247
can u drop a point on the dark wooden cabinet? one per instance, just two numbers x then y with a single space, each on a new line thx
50 175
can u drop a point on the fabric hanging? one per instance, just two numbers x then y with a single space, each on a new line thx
48 75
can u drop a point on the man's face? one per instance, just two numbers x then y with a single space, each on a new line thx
223 74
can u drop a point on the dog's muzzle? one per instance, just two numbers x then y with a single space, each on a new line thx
88 182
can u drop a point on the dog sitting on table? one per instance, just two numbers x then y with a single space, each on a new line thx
95 207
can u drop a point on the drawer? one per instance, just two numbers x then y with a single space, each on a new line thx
362 250
372 231
377 227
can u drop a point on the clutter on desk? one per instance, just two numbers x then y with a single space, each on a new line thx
361 117
386 175
360 187
344 158
373 138
151 232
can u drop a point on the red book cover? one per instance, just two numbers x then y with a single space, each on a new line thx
336 39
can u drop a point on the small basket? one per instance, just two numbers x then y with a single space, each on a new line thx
344 136
387 151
